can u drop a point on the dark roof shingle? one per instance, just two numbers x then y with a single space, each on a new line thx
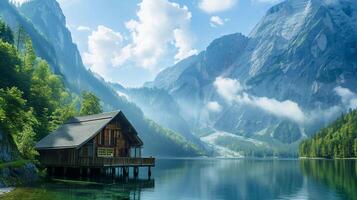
76 131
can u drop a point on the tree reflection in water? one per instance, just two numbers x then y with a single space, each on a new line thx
341 175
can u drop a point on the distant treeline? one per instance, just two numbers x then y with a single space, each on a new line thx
339 140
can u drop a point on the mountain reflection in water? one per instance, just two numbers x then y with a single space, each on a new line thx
215 179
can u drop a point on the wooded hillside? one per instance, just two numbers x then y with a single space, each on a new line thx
339 140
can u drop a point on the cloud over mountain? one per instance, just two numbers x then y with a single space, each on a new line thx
232 91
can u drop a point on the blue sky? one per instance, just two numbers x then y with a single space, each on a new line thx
130 41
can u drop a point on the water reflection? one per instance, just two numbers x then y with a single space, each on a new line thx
216 179
338 175
227 179
104 189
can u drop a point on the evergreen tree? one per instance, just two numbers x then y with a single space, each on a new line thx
6 34
339 140
90 104
33 100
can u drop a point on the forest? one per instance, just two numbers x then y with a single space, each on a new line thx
338 140
33 100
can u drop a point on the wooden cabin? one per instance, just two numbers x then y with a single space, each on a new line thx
96 141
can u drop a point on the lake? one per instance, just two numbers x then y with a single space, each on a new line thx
214 179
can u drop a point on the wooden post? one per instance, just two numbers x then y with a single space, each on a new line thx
113 171
88 172
149 172
101 171
136 172
64 171
124 172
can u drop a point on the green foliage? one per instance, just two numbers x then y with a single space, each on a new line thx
9 65
168 142
6 33
14 164
18 120
339 140
90 104
20 38
33 100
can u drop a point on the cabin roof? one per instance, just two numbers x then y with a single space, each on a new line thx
78 130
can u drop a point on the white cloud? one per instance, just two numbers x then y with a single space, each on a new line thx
227 88
286 109
214 106
103 45
159 24
327 115
83 28
348 98
232 91
216 21
183 43
214 6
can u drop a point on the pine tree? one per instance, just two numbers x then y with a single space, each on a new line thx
90 104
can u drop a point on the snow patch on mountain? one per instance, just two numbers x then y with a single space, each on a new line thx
19 2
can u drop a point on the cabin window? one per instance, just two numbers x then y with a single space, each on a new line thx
105 152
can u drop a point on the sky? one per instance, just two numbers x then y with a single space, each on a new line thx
130 41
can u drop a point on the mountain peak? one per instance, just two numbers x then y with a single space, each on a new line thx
45 9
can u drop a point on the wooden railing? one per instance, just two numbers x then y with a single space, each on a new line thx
100 162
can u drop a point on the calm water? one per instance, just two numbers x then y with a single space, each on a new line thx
217 179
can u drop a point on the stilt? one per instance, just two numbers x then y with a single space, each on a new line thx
113 171
64 171
149 172
136 172
124 172
88 172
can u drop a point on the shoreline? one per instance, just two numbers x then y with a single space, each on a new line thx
322 158
6 190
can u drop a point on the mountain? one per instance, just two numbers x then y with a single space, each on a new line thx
159 106
338 140
44 22
287 76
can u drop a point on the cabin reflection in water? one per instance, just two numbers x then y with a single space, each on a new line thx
94 145
102 189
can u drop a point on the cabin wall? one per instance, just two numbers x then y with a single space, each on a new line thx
110 142
53 156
